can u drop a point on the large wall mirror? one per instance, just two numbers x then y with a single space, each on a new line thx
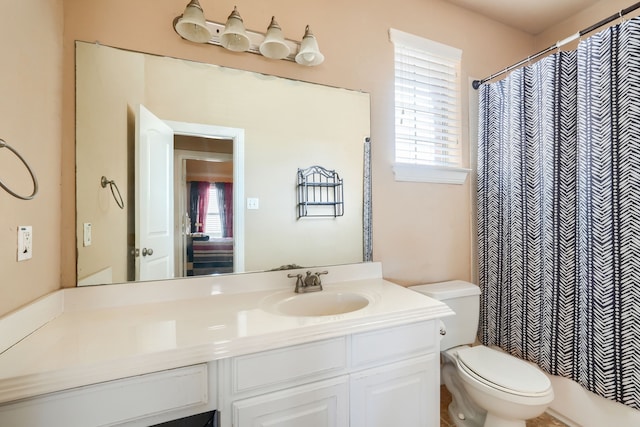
205 159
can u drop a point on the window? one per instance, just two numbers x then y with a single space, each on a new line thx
213 224
427 110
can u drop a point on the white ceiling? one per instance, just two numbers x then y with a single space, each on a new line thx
531 16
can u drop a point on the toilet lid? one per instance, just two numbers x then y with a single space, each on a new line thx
504 370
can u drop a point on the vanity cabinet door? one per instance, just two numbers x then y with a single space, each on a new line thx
318 404
400 394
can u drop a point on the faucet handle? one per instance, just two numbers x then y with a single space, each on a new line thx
299 282
319 273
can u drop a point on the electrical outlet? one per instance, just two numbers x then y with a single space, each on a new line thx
25 242
86 235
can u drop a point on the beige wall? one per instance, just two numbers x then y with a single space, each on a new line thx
103 127
38 85
435 240
30 120
286 125
584 19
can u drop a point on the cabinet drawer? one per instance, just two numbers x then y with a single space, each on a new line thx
112 402
387 345
288 364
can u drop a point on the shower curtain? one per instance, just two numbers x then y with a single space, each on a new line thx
559 213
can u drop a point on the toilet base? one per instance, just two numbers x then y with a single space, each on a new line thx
494 421
459 419
463 411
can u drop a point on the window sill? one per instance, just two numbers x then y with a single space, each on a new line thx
433 174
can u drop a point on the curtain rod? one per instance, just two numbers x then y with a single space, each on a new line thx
476 83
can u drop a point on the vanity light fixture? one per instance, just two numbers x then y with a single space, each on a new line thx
274 46
233 35
192 25
309 53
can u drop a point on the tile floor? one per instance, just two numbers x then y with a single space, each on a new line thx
545 420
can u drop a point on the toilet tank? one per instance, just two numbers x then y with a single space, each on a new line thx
464 299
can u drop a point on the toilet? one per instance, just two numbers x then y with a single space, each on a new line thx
488 387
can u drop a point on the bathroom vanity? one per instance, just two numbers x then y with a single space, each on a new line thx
361 352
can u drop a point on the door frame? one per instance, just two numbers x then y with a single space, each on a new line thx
237 136
181 201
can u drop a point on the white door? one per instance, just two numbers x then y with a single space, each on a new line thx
154 197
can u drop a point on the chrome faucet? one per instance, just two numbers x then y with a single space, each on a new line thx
310 283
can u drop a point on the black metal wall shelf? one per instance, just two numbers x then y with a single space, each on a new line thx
320 193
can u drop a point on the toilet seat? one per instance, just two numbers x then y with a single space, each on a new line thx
503 372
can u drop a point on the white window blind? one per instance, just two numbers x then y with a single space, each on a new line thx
427 102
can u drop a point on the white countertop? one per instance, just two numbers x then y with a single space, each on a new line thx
96 334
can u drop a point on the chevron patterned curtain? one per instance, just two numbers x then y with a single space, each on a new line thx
559 213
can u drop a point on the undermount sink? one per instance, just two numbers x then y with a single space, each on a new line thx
322 303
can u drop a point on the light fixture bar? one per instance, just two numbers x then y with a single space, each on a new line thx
255 37
233 35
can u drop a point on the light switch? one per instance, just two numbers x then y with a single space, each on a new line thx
25 242
253 203
86 235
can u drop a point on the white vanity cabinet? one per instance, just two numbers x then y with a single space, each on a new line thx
146 353
378 378
395 378
136 401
